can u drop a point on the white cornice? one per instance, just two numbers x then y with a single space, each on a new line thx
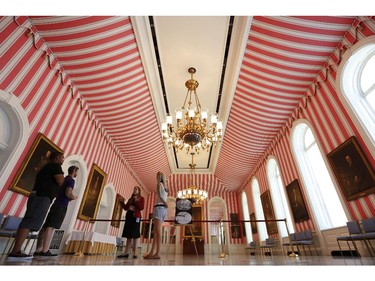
240 35
145 45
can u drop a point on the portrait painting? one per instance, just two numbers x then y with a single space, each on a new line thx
236 231
117 211
254 229
268 212
297 203
196 223
234 218
352 169
37 156
93 193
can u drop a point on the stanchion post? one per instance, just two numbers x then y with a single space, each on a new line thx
170 237
221 228
80 249
192 229
293 254
149 235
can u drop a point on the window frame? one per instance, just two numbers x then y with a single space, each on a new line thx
297 142
279 196
350 90
258 209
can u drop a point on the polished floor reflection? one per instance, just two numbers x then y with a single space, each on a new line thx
187 268
188 260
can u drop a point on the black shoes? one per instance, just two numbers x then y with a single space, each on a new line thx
45 254
126 256
123 256
19 256
48 254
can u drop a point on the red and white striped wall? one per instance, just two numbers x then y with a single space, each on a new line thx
332 123
30 72
282 58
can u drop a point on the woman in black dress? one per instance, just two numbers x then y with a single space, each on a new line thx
131 231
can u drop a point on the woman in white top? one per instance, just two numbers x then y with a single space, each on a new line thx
159 215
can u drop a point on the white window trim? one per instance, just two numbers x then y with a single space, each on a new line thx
303 178
258 209
344 70
246 216
20 136
280 202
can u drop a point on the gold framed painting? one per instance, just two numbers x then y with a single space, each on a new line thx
117 211
196 224
93 193
268 212
236 231
36 157
352 169
253 224
297 203
235 225
234 218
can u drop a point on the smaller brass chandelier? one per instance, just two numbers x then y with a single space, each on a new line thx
193 192
191 130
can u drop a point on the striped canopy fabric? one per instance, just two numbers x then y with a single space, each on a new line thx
282 59
99 57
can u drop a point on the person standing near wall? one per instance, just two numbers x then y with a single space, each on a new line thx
56 214
47 183
160 214
131 231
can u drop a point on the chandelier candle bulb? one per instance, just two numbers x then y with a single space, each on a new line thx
169 119
219 125
204 114
179 114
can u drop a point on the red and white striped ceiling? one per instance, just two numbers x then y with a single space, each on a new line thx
283 56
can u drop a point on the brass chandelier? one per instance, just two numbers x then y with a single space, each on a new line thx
193 192
191 130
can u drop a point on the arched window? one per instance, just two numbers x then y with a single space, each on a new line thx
279 198
246 216
321 192
356 82
4 129
259 215
105 210
79 190
14 133
216 211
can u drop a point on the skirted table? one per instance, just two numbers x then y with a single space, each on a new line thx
94 243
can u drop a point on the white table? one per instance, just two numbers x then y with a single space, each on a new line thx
92 243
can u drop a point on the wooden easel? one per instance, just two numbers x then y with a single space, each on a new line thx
191 228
